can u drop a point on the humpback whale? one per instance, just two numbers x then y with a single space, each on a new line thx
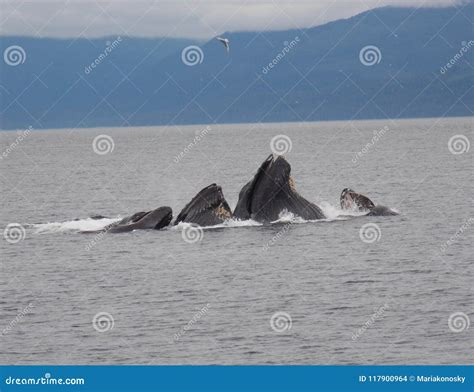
272 191
155 219
207 208
268 194
351 200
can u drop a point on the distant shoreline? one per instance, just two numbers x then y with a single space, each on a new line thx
230 123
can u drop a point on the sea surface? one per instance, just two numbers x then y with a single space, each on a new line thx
345 290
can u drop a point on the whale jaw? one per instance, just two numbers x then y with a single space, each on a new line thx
155 219
207 208
272 191
351 200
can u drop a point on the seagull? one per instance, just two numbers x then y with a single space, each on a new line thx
225 42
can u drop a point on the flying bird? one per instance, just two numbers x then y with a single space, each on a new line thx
225 42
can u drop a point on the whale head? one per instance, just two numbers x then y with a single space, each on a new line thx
272 191
207 208
157 219
351 200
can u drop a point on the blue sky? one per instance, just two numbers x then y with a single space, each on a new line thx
193 19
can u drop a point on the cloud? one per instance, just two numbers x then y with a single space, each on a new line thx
196 19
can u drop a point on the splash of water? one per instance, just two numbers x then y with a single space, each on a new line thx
78 225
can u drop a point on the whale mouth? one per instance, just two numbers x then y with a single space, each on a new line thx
351 200
271 176
207 208
346 200
163 215
271 191
155 219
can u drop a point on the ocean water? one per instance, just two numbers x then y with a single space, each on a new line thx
345 290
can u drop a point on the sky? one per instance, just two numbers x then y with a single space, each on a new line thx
198 19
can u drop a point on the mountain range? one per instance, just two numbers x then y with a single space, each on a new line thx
387 62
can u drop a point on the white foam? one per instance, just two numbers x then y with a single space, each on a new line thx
336 213
227 223
288 217
73 225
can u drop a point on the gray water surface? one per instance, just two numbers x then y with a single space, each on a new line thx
212 301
